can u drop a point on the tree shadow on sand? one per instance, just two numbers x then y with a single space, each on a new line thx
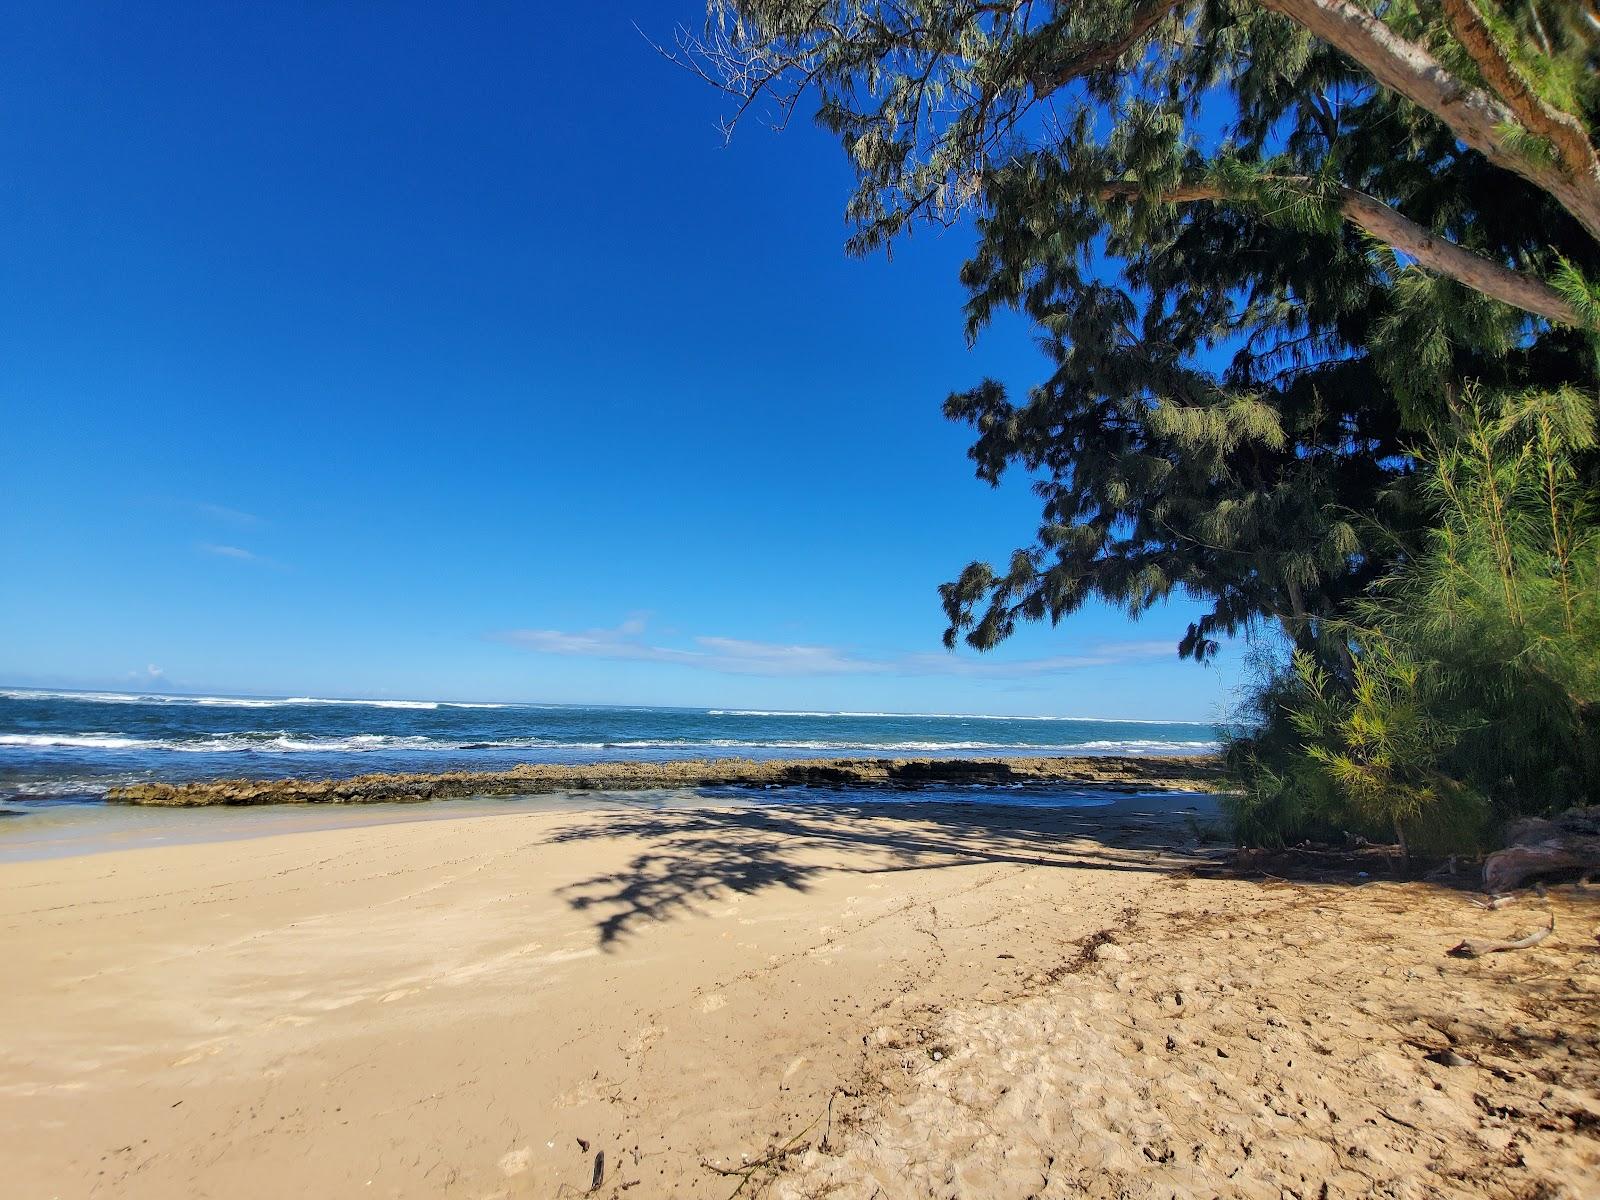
694 856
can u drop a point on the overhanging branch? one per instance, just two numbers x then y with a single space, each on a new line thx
1561 129
1394 228
1476 117
1103 54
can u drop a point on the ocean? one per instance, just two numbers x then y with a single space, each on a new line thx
59 745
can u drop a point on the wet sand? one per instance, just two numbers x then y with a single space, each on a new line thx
859 999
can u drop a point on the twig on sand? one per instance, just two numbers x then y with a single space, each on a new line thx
1398 1120
1505 899
1494 903
1472 949
771 1160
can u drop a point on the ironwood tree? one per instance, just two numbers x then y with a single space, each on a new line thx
1267 244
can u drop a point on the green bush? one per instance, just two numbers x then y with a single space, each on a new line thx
1466 686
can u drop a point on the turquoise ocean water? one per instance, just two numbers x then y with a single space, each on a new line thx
56 744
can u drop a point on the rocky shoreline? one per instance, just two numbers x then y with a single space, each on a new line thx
1167 772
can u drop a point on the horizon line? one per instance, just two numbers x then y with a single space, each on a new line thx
10 690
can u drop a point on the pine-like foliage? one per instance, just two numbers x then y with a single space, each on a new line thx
1475 692
1236 363
1272 248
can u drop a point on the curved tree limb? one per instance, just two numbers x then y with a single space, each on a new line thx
1478 117
1104 54
1563 130
1444 257
1394 228
1475 116
1472 949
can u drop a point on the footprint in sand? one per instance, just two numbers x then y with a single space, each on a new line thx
516 1162
713 1002
643 1040
197 1055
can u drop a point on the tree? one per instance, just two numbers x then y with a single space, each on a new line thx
1475 691
1266 244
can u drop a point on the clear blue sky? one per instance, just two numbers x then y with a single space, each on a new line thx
445 351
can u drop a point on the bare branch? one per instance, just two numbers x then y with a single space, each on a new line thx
1472 949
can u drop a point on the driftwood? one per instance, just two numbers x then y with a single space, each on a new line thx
1472 949
1495 903
1570 842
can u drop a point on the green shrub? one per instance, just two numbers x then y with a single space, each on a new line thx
1467 687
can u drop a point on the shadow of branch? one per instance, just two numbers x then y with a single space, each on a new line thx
696 856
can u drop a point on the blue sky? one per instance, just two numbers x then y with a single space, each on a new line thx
446 351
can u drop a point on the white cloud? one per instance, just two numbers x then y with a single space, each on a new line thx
738 656
729 655
240 555
234 552
1105 654
221 512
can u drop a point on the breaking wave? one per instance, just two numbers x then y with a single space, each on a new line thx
231 701
775 712
286 743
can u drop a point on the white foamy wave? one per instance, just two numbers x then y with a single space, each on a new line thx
90 697
214 701
847 715
1141 746
228 701
762 712
1132 746
422 704
91 741
282 742
786 744
143 698
290 744
49 789
224 743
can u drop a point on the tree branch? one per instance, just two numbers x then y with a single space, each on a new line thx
1475 116
1394 228
1563 130
1103 54
1478 117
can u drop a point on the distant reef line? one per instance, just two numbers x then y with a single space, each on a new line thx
1158 772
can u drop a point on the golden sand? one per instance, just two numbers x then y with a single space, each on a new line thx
897 1000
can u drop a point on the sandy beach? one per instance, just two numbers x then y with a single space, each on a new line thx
757 600
855 1001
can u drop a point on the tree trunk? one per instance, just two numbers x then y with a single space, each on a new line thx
1567 843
